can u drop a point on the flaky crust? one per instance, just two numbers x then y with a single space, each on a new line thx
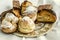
46 16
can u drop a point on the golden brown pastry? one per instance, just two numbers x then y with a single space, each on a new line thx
24 5
8 27
26 25
16 12
45 16
9 23
11 17
29 10
16 8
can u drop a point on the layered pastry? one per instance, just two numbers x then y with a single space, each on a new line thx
9 23
29 10
46 16
26 25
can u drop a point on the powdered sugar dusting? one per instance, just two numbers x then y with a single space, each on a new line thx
30 9
8 20
29 21
11 17
6 24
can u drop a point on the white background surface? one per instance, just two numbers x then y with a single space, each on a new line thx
52 35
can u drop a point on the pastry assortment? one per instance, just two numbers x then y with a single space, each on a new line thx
27 20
